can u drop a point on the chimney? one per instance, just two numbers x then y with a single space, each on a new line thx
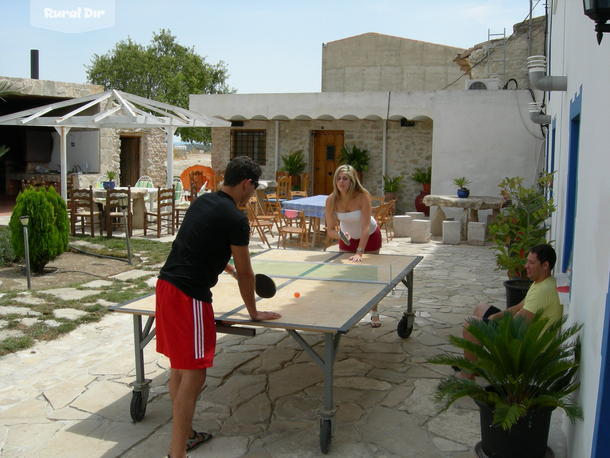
34 64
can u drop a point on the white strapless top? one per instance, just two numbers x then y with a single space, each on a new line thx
350 223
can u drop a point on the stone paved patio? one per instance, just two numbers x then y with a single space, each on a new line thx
70 397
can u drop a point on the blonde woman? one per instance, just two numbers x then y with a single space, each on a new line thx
349 207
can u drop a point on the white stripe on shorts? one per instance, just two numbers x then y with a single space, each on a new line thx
198 329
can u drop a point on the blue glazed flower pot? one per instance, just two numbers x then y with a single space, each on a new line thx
108 184
463 192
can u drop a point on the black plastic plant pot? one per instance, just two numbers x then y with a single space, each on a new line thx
526 439
516 291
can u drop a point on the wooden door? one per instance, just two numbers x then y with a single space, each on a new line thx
130 161
327 145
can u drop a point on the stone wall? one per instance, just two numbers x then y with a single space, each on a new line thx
376 62
407 148
485 60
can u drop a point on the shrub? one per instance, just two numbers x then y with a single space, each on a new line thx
294 163
358 158
522 224
422 175
47 229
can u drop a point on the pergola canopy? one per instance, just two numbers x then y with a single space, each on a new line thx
111 109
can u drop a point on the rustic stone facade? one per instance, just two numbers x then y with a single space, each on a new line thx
476 58
407 149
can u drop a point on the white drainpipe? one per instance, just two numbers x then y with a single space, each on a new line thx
539 78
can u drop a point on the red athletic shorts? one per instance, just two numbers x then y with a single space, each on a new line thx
186 330
372 244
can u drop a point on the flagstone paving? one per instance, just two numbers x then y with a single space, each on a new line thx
71 396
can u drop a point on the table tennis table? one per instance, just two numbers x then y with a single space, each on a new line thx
335 294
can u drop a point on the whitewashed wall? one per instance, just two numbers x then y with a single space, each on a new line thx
575 53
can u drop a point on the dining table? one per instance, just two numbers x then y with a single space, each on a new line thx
141 197
313 208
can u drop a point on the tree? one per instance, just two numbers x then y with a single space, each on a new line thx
164 71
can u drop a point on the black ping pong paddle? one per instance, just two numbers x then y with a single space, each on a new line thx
264 286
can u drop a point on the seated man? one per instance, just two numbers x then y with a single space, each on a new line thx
542 295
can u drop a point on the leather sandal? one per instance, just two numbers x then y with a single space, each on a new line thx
375 323
197 439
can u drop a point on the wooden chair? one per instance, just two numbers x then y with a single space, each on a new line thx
383 215
305 182
284 185
117 207
279 174
297 194
293 223
164 214
83 211
257 224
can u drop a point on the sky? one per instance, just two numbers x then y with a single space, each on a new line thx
268 46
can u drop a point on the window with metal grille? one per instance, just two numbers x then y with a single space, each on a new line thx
251 143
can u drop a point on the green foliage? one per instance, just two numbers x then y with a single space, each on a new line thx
164 71
522 224
525 366
47 228
294 163
358 158
111 175
461 182
422 175
7 254
392 184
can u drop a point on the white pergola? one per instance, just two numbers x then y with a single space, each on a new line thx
117 110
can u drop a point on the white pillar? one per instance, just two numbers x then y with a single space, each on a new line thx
384 150
277 146
170 131
63 160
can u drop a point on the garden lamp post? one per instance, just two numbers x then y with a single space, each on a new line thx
25 220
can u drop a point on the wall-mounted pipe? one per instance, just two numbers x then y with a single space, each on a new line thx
536 114
540 80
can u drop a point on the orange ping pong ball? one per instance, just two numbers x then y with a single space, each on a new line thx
297 294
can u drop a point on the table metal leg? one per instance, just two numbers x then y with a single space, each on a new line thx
405 325
327 413
141 386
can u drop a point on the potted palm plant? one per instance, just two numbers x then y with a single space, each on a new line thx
461 183
109 183
357 157
391 186
294 164
528 369
422 175
521 225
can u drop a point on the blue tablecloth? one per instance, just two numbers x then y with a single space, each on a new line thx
310 206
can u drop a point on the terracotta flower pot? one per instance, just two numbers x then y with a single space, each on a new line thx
419 200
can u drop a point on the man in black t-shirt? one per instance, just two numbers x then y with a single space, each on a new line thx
213 230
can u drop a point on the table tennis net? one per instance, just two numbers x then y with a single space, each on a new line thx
324 271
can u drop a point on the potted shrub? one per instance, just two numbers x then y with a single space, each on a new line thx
461 183
520 226
109 183
294 165
422 175
528 370
391 185
358 158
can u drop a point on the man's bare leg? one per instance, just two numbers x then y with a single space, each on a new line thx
184 386
478 313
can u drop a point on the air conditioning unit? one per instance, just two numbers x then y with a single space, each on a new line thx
484 84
